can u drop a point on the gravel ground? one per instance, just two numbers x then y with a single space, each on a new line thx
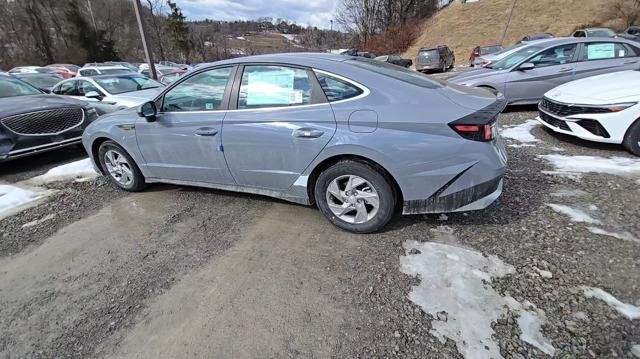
340 295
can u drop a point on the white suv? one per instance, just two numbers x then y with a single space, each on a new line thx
102 70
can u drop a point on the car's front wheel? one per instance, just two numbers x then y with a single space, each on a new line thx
355 196
631 139
120 167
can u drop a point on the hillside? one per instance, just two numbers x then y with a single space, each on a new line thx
463 26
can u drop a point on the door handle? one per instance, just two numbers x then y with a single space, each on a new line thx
307 133
630 62
566 69
206 131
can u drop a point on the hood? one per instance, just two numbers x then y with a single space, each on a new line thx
10 106
602 89
474 75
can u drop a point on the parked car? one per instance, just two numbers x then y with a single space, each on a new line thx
171 77
160 71
538 36
594 32
130 66
43 82
631 33
604 108
30 70
66 70
355 136
475 59
395 59
33 122
435 58
108 93
103 70
525 75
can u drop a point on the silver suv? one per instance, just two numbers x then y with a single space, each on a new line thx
438 58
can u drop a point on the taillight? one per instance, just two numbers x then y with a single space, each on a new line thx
483 133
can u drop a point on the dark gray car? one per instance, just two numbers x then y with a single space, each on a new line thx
437 58
525 75
357 137
32 121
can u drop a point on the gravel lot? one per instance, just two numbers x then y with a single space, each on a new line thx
176 271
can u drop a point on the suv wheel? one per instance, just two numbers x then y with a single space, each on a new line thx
355 196
120 167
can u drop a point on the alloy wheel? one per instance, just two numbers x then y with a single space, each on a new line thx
352 199
118 167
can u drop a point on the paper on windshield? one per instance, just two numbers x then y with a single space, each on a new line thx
601 51
272 88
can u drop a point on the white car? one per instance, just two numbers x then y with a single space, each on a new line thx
108 93
103 70
604 108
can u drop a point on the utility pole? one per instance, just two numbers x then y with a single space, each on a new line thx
143 34
508 22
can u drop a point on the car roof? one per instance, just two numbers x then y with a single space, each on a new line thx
596 28
569 40
111 67
294 58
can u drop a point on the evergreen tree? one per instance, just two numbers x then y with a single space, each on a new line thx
180 31
97 44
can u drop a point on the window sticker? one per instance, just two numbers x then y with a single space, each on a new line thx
272 88
208 106
601 51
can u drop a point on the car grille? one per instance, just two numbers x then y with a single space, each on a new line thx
554 121
50 122
560 109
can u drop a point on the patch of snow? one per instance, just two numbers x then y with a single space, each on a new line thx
631 312
573 176
635 350
443 217
581 316
521 133
79 171
240 38
576 215
521 145
585 164
38 221
569 193
14 198
456 281
623 235
557 149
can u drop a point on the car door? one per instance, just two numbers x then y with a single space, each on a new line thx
280 123
601 57
553 67
183 144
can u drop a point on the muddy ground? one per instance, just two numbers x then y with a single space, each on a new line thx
184 272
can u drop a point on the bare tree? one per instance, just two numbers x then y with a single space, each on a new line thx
626 10
156 7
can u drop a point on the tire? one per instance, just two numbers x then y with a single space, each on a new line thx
631 141
113 160
369 183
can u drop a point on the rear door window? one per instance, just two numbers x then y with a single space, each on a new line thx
429 54
605 51
274 86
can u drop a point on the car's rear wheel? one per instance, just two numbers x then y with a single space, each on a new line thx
631 141
120 167
355 196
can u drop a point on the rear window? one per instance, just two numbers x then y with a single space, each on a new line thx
428 54
396 72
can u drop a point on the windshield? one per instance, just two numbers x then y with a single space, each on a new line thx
10 87
510 60
121 84
42 81
396 72
490 50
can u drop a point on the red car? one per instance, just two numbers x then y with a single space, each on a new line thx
482 50
67 71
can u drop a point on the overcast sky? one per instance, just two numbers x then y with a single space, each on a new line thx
303 12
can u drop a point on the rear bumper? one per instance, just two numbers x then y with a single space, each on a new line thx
469 199
423 67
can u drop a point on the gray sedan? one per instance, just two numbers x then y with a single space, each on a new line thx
359 138
525 75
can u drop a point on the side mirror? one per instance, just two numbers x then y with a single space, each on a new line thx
148 110
527 66
93 94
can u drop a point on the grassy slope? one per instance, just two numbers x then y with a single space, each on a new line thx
463 26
